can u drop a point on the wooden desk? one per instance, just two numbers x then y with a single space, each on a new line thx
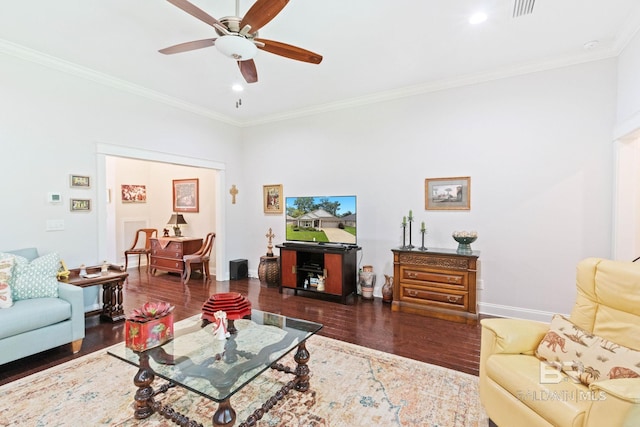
111 282
167 252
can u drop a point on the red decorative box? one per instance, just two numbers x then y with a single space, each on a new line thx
141 336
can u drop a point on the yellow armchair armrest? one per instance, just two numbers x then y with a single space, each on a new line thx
615 403
515 336
627 389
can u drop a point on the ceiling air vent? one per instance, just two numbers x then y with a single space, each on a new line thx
522 7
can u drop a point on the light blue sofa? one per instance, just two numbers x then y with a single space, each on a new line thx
34 325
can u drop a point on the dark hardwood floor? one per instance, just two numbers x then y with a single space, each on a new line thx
364 322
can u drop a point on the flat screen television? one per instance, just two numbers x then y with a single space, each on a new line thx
321 219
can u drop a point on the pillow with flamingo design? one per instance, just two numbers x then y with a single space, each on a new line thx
586 357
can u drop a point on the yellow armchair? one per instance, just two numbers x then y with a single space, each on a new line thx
517 390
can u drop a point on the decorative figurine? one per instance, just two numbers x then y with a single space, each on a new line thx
165 232
220 328
320 283
270 236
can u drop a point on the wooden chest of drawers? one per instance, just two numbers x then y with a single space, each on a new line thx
167 255
437 283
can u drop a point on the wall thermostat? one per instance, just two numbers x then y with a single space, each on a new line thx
54 198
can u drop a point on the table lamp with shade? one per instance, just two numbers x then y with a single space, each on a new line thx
176 221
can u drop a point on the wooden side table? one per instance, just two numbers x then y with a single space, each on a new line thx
269 270
111 282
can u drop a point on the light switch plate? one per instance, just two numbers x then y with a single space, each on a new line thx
55 224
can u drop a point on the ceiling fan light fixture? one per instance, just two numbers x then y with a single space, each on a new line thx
236 47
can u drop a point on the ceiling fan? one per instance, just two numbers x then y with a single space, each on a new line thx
238 37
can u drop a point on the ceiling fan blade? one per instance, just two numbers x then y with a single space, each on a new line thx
184 47
289 51
195 11
261 13
248 70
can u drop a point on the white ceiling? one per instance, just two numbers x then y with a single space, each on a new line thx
373 49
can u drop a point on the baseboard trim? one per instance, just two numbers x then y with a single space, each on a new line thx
515 312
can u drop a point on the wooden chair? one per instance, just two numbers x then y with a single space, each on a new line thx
199 260
148 234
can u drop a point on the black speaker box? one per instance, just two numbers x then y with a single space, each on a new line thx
239 269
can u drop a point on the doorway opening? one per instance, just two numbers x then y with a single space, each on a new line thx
111 227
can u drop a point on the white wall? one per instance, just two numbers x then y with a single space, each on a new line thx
537 147
538 151
50 126
628 109
626 230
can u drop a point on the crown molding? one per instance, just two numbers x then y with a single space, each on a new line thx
444 84
26 54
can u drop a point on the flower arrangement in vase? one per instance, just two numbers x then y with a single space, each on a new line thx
149 326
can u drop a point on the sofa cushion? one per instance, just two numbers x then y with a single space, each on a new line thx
28 253
586 356
35 279
31 314
560 401
6 268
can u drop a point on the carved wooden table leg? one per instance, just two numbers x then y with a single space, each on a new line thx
302 370
224 416
107 300
118 309
144 395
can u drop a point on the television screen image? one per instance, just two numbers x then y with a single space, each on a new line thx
321 219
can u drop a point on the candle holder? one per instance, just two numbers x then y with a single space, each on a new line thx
410 246
423 248
404 236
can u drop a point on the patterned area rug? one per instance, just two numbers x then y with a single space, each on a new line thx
350 386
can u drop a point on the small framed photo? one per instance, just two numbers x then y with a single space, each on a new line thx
185 195
272 198
79 181
134 193
447 193
80 205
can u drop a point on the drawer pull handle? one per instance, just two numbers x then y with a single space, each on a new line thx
412 275
412 293
453 279
452 299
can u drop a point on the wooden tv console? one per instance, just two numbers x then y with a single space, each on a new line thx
338 265
437 283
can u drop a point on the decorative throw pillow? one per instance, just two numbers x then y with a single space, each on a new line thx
6 267
35 279
584 356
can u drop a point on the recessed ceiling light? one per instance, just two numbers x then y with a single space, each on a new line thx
591 44
477 18
237 87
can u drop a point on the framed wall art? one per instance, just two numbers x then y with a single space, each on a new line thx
185 195
447 193
272 198
80 205
133 193
79 181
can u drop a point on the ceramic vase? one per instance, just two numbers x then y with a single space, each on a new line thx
367 281
387 289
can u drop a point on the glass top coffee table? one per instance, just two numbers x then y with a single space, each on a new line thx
216 369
